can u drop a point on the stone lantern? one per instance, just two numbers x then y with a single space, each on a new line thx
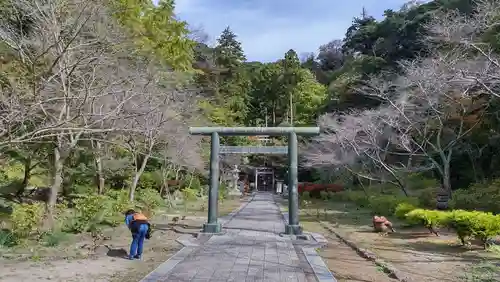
235 173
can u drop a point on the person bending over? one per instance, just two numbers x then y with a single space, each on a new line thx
140 228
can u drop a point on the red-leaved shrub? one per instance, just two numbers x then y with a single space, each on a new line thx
315 189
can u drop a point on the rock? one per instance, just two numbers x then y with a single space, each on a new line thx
82 245
101 250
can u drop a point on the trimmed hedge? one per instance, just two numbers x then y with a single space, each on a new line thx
467 225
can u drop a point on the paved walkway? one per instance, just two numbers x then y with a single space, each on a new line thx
251 250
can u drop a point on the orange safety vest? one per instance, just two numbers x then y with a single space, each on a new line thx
139 217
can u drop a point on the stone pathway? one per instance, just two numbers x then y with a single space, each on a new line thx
250 250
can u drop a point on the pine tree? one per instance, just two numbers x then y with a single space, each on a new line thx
291 60
228 52
232 82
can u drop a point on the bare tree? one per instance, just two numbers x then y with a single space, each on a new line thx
432 116
442 98
365 143
150 133
81 79
158 122
188 153
464 37
330 55
198 34
427 111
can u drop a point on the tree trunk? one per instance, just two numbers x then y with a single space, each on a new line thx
446 178
99 170
274 116
57 179
362 185
191 179
137 176
26 178
165 173
402 186
177 173
27 173
473 165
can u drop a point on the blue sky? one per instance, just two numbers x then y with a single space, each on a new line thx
268 28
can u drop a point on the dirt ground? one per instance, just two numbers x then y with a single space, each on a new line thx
413 251
344 262
75 261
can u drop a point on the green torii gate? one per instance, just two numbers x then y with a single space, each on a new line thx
212 225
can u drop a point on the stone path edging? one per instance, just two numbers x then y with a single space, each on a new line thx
168 265
321 271
323 274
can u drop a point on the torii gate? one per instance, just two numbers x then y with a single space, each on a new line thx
212 225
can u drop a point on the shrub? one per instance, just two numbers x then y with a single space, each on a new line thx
80 189
357 197
334 187
222 192
324 195
26 218
88 212
384 188
387 204
7 239
402 209
315 189
190 195
52 239
192 183
149 180
427 197
479 196
431 219
418 181
61 214
476 224
118 203
222 195
150 200
305 199
380 204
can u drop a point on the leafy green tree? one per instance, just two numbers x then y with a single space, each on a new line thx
157 31
309 98
266 99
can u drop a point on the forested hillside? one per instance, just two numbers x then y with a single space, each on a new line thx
414 96
409 98
97 97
